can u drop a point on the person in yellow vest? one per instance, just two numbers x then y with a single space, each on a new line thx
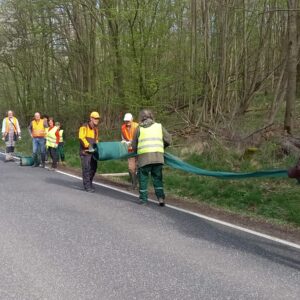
61 145
45 118
88 136
52 140
128 130
11 132
37 131
149 142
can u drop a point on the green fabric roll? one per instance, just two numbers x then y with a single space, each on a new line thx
118 150
26 161
111 150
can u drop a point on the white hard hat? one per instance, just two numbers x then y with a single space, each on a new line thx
128 117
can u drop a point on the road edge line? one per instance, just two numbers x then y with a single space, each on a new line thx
201 216
227 224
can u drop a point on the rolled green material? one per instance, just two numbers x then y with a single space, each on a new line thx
26 161
118 150
111 150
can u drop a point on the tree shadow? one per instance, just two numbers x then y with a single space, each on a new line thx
231 238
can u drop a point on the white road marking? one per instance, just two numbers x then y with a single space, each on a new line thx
253 232
227 224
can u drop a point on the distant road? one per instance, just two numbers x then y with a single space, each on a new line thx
58 242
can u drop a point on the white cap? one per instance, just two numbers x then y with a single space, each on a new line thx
128 117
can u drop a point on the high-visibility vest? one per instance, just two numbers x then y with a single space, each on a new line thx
8 122
38 129
88 136
61 137
128 132
51 137
150 139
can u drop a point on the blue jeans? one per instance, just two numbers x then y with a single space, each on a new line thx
38 143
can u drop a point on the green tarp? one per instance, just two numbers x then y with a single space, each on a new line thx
118 150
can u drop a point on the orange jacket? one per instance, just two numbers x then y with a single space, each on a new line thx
128 133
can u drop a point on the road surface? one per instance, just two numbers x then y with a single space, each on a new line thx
59 242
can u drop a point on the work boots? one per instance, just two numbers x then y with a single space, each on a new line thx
43 159
35 160
9 157
161 201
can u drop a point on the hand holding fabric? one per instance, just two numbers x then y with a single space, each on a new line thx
90 149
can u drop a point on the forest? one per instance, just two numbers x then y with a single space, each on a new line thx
203 61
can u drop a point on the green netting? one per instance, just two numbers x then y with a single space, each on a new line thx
118 150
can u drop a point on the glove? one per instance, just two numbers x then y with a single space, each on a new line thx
20 138
128 143
90 150
3 138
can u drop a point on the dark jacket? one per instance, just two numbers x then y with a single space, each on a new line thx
152 157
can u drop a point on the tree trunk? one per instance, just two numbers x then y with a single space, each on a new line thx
292 65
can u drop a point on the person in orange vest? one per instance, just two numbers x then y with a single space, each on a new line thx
88 136
37 131
128 130
11 132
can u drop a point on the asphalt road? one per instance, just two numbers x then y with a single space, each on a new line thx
59 242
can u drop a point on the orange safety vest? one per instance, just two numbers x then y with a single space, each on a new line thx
14 122
38 129
128 133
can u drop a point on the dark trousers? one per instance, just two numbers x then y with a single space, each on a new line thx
10 149
157 179
89 168
53 154
61 152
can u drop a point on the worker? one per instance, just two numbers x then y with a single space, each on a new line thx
61 145
149 142
45 118
128 130
88 137
11 132
37 131
52 140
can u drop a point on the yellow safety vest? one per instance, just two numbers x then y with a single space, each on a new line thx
150 139
51 137
8 122
38 129
88 136
61 138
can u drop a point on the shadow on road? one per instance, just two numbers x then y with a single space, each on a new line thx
195 227
227 237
